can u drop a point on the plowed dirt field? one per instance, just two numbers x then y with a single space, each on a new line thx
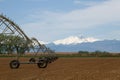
64 69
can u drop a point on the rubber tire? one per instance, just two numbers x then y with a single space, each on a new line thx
42 63
14 64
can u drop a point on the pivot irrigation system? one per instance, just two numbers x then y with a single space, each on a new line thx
14 41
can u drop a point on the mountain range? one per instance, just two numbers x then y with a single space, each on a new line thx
75 44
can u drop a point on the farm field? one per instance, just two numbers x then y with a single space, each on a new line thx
64 69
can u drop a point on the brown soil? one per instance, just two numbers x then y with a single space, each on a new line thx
64 69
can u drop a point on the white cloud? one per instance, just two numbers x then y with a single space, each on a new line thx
94 16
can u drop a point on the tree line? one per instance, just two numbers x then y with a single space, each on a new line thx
10 44
98 53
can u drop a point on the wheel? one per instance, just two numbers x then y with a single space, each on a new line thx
32 60
14 64
42 63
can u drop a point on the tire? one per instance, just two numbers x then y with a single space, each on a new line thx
32 60
14 64
42 63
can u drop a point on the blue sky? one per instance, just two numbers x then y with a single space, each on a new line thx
50 20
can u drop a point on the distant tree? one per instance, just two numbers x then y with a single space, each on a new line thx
96 53
12 44
83 53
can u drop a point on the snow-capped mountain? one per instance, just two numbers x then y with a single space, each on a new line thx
102 45
42 42
74 40
75 44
